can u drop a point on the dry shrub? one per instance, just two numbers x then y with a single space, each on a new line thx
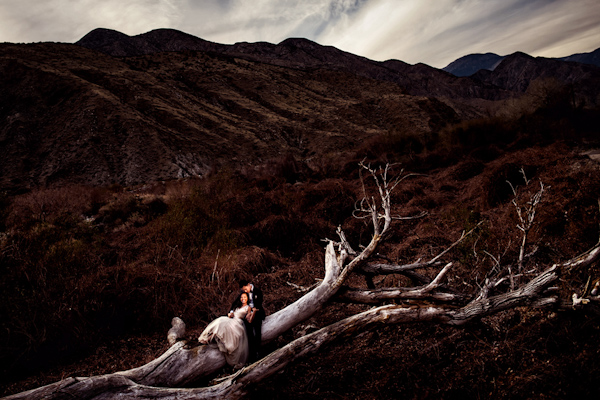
55 288
499 181
119 210
467 170
396 146
131 208
476 133
328 165
330 200
5 202
284 168
46 204
192 221
176 190
411 190
251 261
283 234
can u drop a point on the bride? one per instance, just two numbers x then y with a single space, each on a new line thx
230 333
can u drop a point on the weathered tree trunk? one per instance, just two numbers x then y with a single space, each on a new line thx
180 365
237 385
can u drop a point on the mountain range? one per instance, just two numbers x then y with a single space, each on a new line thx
114 108
472 63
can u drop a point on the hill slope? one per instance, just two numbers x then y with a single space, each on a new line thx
166 104
72 114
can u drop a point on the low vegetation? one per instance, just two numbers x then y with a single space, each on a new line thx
89 268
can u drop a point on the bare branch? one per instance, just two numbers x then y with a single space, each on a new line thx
526 215
382 269
376 296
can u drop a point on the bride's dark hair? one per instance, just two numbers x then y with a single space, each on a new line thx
238 302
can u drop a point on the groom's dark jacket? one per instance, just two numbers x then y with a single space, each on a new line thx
257 299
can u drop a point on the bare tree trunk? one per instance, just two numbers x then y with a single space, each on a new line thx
237 385
180 365
177 365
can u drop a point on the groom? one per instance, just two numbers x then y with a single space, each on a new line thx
254 328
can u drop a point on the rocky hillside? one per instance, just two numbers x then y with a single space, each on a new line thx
517 71
70 114
163 105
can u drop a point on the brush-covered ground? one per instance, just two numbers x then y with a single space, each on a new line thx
91 276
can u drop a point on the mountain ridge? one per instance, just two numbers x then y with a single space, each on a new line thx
292 52
184 106
472 63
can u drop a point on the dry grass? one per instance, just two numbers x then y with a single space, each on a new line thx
88 267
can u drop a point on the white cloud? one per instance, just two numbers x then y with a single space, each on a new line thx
67 20
438 33
265 20
432 31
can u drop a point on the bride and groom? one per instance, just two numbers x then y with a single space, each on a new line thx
238 335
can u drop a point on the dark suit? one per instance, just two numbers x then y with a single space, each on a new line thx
254 328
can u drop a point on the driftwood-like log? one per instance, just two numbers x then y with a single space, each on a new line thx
408 269
238 384
180 365
378 296
127 385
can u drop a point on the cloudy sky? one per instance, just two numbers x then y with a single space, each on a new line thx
434 32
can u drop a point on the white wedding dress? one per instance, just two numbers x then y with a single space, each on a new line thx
230 335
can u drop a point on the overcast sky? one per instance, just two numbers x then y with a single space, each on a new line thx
435 32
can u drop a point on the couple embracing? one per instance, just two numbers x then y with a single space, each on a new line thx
238 335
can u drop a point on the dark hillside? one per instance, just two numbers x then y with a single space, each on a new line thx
518 70
298 53
592 58
69 114
73 115
472 63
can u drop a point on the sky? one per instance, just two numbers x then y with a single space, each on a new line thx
434 32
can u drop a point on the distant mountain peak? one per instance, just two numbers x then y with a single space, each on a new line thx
119 44
101 35
470 64
299 42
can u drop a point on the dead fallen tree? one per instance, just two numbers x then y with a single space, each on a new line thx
182 365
